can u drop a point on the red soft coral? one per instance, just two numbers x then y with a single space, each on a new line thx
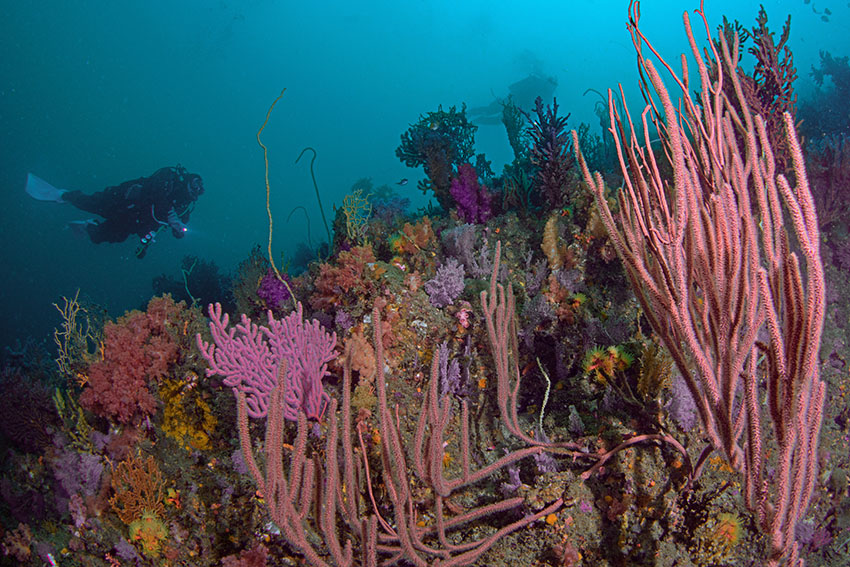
117 388
136 349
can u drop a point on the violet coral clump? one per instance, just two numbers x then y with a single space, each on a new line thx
474 202
75 473
273 291
447 285
450 376
682 407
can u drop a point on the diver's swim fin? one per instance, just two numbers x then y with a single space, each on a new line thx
40 189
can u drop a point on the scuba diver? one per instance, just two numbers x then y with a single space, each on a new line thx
143 206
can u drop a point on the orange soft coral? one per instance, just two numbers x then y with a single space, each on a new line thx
352 274
139 488
416 244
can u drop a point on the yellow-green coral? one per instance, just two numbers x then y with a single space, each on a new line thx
604 362
415 245
74 421
149 532
187 418
357 209
77 345
717 538
656 368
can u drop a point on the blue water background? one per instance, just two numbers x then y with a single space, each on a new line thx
93 93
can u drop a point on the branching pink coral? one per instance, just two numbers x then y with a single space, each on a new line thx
252 357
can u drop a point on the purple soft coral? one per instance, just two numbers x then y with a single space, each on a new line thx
472 199
273 291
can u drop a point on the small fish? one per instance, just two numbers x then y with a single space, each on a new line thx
827 11
824 18
402 182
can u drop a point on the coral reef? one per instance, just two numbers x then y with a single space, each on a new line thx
346 281
478 385
139 502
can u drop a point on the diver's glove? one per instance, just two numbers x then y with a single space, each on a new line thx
178 229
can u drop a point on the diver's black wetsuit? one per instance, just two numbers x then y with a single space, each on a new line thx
140 206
